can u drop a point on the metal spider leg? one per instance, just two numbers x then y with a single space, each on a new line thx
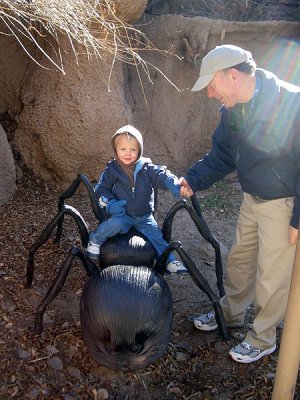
198 278
168 221
58 284
203 229
206 233
46 233
97 210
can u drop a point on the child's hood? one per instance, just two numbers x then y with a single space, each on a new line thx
134 132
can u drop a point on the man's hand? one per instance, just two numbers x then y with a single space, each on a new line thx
185 190
293 235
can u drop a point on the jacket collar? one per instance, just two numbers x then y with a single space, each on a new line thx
266 96
269 95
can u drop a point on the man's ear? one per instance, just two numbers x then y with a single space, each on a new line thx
234 74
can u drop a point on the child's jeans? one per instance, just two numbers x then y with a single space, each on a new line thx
145 224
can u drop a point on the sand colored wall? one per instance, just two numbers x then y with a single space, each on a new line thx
66 120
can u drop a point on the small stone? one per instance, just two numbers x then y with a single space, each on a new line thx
101 394
175 390
72 351
125 392
68 397
214 391
221 347
23 354
180 356
55 363
51 350
9 306
75 372
185 346
33 394
47 319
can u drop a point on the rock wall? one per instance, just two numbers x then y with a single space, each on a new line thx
65 121
7 169
13 66
128 10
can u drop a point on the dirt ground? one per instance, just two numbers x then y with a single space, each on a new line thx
56 365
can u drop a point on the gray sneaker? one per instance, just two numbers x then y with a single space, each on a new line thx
206 322
246 353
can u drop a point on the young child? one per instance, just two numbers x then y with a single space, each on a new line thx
126 190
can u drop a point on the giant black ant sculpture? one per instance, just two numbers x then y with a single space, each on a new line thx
126 305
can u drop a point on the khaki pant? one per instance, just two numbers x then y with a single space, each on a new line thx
259 268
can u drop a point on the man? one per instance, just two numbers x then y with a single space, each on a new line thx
259 136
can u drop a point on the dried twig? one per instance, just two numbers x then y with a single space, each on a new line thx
90 27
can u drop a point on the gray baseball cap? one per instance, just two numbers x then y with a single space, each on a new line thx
221 57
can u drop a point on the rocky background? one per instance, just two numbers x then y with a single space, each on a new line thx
59 125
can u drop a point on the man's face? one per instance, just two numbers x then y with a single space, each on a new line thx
225 87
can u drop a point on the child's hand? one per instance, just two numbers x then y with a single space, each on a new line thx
116 207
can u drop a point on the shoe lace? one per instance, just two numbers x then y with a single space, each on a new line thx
210 315
177 263
247 345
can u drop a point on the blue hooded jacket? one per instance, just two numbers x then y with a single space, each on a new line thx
114 184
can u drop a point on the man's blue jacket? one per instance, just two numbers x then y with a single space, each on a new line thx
264 148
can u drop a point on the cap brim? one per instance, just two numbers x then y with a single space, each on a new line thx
202 82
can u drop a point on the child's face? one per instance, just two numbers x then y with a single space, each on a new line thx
127 149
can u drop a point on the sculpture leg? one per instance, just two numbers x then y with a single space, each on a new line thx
44 236
203 229
46 233
199 280
206 233
52 292
58 284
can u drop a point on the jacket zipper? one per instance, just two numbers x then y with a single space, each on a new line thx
238 154
282 181
276 173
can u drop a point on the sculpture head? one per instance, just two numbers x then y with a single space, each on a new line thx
126 316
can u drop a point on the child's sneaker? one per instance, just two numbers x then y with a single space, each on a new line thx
176 267
246 353
93 250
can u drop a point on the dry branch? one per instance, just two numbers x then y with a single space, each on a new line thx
91 27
